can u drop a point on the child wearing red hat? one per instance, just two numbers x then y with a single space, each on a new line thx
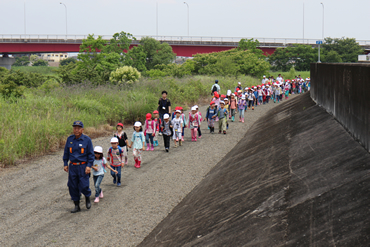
158 123
233 105
211 116
149 131
122 141
216 99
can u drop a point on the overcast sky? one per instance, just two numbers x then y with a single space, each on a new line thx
217 18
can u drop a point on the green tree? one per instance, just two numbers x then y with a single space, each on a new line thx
297 55
22 61
119 43
232 62
67 61
156 53
347 49
332 57
136 57
34 58
250 44
92 58
40 62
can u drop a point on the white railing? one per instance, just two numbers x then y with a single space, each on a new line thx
60 38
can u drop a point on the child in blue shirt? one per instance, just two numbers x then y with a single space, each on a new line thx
98 171
211 116
138 139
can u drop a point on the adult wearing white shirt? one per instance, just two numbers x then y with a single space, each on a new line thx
264 80
279 78
215 88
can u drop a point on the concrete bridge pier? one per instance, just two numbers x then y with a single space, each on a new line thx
6 61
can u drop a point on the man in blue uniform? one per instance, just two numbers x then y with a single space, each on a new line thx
79 152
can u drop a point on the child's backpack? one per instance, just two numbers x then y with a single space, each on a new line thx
141 138
162 127
214 89
152 124
158 122
111 154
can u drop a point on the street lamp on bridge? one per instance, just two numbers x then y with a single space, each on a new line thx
322 21
188 16
66 19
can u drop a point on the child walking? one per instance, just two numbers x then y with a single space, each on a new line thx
177 124
227 106
193 123
158 122
166 130
98 171
222 114
242 103
211 116
122 141
200 120
184 123
115 154
232 107
149 131
251 99
138 140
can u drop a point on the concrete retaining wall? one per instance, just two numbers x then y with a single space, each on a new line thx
344 91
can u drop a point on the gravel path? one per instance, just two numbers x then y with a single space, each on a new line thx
35 204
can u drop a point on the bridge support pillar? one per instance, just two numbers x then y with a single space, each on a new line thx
7 62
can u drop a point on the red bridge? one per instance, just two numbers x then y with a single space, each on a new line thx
181 45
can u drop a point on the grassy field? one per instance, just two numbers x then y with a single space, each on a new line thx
40 121
290 75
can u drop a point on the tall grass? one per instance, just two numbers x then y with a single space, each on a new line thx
40 122
290 74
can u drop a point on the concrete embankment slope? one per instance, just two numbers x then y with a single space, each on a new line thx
296 179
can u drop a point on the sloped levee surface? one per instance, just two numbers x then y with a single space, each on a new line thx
296 179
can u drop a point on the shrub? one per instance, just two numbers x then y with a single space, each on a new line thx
22 61
67 61
49 85
125 74
24 79
40 62
11 90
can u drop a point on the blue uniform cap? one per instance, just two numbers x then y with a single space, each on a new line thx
78 123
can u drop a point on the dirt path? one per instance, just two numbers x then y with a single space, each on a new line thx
35 204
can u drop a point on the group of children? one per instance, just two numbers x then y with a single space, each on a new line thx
221 107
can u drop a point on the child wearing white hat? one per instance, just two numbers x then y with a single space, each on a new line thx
242 103
177 124
194 123
138 139
166 130
115 157
98 171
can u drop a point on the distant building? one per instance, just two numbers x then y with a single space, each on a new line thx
54 57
